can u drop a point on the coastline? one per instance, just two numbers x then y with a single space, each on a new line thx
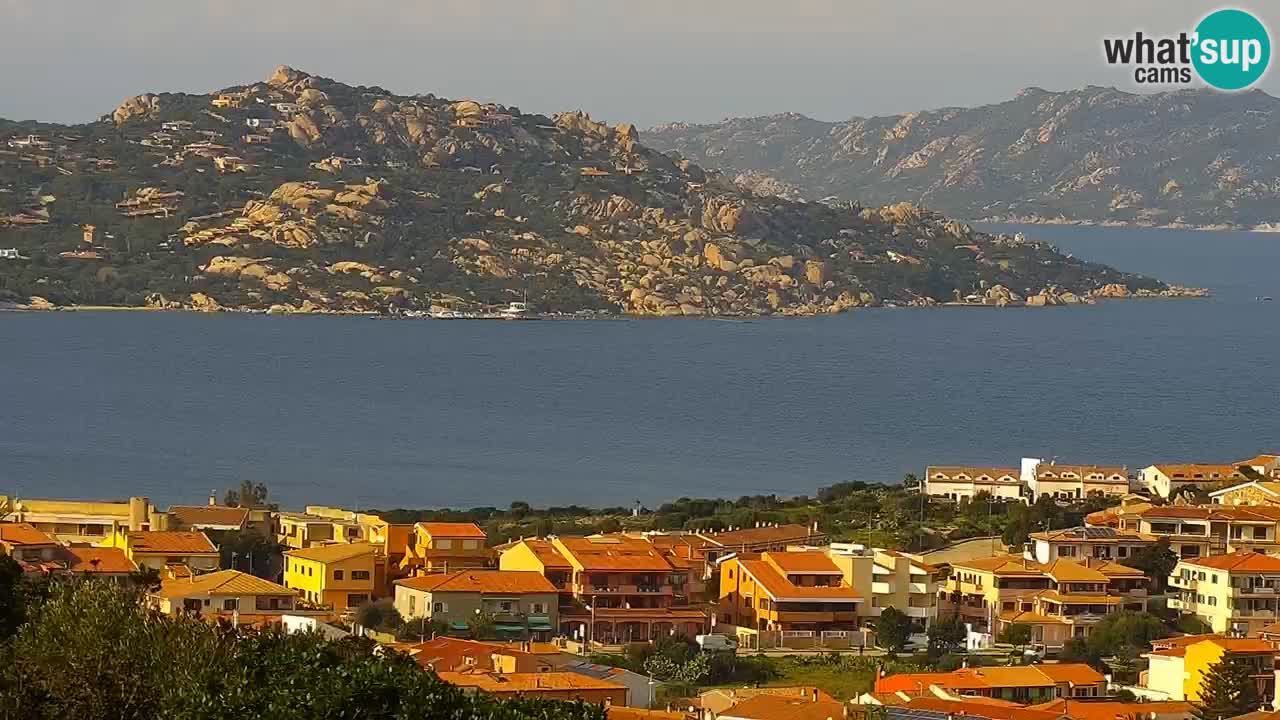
1263 229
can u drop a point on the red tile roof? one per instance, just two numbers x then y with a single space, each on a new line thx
99 560
970 708
24 534
785 707
209 515
613 552
169 541
451 530
781 589
1106 710
1238 562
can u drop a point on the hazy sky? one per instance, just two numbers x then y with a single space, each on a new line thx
644 61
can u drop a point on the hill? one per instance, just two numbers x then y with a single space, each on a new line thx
305 194
1187 158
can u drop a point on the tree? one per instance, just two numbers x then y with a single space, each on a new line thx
380 615
1226 691
419 629
91 650
893 630
12 596
1125 628
946 636
1018 635
1157 561
248 495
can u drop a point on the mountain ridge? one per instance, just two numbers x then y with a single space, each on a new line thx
302 194
1185 158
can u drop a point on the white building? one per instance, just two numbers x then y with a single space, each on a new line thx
957 482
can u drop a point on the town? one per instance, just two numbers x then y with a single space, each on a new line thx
1148 606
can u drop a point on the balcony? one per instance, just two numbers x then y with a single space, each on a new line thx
618 589
921 612
1255 591
1177 604
786 616
881 588
916 588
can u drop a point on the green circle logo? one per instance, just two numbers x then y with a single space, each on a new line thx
1232 49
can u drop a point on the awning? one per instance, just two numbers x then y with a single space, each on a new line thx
461 626
508 627
541 627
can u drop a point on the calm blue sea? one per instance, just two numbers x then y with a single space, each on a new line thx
371 413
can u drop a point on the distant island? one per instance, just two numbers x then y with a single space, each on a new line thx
1191 158
302 194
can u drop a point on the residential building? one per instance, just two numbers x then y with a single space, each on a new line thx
83 521
760 539
1078 543
957 482
541 685
98 562
443 654
223 593
889 578
788 707
1166 674
305 529
341 576
161 549
964 708
715 702
208 518
1202 530
641 689
1073 482
27 545
1054 598
520 603
445 546
1120 515
1258 655
1112 710
1254 492
1020 684
348 526
1163 480
612 587
786 591
1266 465
1237 593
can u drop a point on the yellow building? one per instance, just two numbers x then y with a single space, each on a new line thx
1058 600
889 578
1259 655
340 576
308 527
444 546
83 521
1256 492
786 591
302 530
222 594
158 550
1238 593
1201 530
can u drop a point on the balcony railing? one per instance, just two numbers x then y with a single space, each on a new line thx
918 588
806 617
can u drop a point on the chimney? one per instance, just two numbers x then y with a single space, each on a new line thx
213 499
814 695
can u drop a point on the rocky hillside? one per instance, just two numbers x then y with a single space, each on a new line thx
304 194
1187 158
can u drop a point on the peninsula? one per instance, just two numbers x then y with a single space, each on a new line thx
303 194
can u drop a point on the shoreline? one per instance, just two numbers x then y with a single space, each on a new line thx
1264 229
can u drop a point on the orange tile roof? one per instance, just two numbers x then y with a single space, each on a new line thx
24 534
761 536
1071 571
444 654
1081 534
614 552
223 582
618 712
1079 598
785 707
807 562
170 541
332 553
1002 565
1030 618
1108 710
527 682
547 554
969 708
1073 673
209 515
1246 645
451 530
1043 675
1252 513
1263 459
995 473
1055 469
1181 641
509 582
781 589
1188 471
1238 562
108 560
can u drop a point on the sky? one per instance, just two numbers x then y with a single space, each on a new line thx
641 61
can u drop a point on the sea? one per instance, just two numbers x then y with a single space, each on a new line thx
367 413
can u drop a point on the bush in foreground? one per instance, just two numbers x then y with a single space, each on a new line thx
92 651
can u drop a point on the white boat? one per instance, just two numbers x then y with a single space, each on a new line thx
518 311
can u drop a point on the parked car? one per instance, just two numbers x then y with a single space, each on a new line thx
717 642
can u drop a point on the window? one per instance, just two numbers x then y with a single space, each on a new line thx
359 574
413 601
1067 551
505 606
357 599
537 608
337 574
470 544
1123 551
443 544
731 574
191 605
231 604
439 607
